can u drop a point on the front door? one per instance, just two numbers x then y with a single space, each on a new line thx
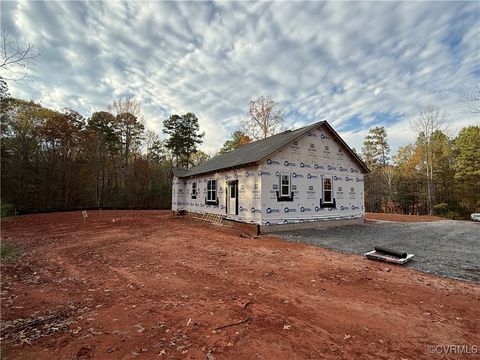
232 198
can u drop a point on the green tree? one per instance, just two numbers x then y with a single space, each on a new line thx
184 137
159 187
130 132
103 147
21 152
156 151
442 168
238 138
467 166
62 136
379 183
467 145
409 194
376 148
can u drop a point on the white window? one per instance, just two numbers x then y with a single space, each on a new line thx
194 190
284 185
327 190
211 190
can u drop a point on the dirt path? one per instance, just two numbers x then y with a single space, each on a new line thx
145 285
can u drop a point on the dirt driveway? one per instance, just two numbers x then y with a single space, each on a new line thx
448 247
147 285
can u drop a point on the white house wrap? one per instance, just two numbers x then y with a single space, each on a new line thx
308 175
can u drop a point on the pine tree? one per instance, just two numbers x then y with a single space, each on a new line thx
467 166
375 154
184 137
375 147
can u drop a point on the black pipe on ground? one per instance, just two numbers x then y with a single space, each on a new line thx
386 251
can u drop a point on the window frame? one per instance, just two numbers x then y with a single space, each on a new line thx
281 196
288 185
194 190
212 191
324 180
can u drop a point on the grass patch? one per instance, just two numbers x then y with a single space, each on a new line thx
8 251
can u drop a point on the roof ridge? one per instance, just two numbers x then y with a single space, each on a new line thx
260 150
271 136
245 148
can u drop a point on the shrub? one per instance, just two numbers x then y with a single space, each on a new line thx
454 215
441 209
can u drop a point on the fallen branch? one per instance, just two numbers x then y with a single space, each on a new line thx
246 320
246 304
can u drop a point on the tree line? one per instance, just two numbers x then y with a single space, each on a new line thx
55 160
436 175
60 160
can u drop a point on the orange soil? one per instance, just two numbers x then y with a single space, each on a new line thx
139 284
402 218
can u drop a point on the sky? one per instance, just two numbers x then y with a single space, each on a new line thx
356 65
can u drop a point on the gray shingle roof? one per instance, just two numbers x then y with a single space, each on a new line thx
180 172
255 152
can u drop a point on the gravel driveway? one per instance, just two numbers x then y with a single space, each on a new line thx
448 248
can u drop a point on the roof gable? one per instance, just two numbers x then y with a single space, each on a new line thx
259 150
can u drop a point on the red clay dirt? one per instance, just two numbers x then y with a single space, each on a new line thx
150 285
402 217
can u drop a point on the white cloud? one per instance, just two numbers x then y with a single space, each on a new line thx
355 64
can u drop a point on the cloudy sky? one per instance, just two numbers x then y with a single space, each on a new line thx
356 65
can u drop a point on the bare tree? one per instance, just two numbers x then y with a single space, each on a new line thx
266 118
127 105
474 99
388 173
16 58
430 119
